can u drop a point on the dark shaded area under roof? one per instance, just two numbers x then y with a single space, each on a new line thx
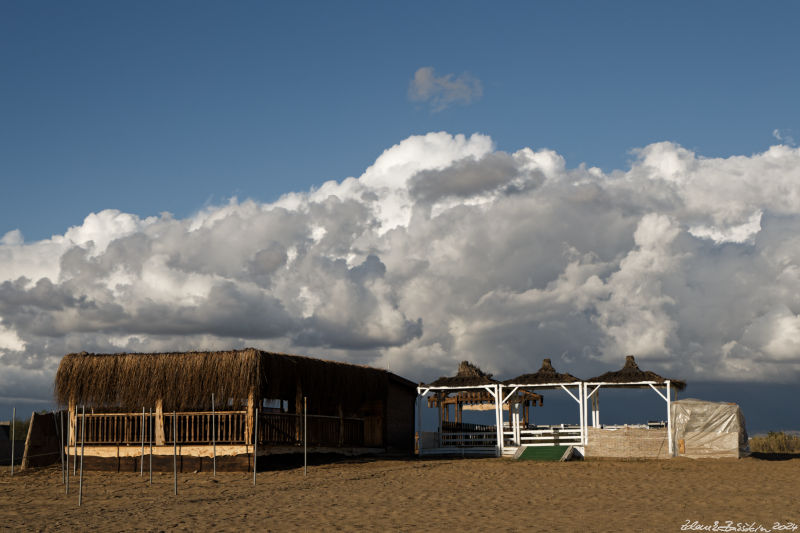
546 374
186 381
468 375
630 373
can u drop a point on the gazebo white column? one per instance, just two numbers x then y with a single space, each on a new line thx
513 414
582 414
498 414
668 399
592 395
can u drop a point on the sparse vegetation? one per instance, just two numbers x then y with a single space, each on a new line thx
775 442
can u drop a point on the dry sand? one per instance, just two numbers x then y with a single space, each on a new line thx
413 495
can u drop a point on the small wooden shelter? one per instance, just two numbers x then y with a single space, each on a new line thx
470 389
212 402
521 431
632 377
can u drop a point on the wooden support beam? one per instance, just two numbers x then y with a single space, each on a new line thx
160 439
249 422
73 422
298 409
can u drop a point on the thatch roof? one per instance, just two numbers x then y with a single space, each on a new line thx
468 375
187 380
546 374
630 373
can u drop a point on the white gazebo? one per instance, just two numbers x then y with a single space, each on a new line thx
563 434
476 388
631 377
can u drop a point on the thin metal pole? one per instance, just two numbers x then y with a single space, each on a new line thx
66 488
75 450
141 461
670 441
305 436
150 438
419 423
13 423
83 441
214 434
175 450
255 447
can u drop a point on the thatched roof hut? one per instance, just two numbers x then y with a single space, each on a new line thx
185 381
545 375
631 374
468 375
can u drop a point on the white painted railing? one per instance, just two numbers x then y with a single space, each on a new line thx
543 436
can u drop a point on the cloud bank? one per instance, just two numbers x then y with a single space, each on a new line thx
444 249
440 92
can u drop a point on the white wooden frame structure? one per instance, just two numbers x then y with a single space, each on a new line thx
587 392
533 437
593 394
494 392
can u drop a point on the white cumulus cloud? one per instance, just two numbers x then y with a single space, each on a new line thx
444 249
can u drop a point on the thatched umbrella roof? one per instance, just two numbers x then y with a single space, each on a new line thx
630 373
187 380
546 374
468 375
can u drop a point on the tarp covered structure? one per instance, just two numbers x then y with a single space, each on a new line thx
704 429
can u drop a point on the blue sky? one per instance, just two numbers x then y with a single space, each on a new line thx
166 106
574 180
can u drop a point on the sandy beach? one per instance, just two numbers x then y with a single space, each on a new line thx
416 495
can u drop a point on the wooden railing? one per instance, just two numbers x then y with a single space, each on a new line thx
194 427
123 428
544 436
229 427
287 429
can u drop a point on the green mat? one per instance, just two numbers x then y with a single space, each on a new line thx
543 453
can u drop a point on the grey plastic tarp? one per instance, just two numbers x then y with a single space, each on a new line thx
704 429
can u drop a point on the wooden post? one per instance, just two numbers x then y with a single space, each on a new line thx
61 443
175 450
255 448
248 423
72 423
160 438
298 410
83 441
13 437
150 439
141 459
305 437
213 434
